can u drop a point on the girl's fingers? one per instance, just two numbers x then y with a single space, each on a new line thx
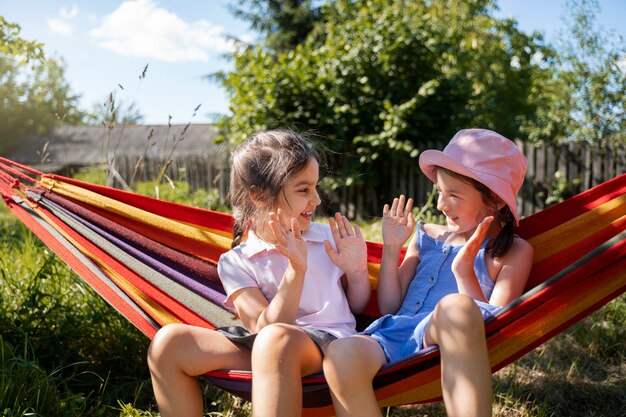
341 226
347 226
481 231
385 211
333 225
277 219
400 211
281 219
394 207
409 207
295 228
279 235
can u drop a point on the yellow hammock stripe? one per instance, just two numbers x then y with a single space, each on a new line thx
133 213
578 229
146 303
161 315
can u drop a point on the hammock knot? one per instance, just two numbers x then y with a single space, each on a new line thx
15 184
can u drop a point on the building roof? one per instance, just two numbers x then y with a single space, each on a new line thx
89 145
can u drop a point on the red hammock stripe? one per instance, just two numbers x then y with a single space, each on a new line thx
550 266
201 217
189 263
83 271
169 304
569 209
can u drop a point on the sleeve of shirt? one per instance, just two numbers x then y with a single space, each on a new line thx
235 274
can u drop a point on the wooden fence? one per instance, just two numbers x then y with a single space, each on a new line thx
554 172
197 171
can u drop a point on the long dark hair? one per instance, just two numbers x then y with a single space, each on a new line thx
263 164
502 243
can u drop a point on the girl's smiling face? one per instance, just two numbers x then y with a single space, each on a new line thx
299 197
461 203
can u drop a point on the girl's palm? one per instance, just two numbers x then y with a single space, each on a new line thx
289 242
351 253
398 221
463 263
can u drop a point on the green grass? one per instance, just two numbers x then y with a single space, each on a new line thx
77 354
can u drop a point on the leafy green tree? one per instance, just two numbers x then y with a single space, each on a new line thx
587 89
390 78
593 66
11 44
33 100
284 23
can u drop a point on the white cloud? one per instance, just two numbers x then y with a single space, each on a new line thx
59 26
140 28
69 14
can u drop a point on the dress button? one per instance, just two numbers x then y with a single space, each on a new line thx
445 250
418 303
431 279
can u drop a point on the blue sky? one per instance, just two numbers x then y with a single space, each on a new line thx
105 44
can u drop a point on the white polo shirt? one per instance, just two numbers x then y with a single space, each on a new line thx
323 303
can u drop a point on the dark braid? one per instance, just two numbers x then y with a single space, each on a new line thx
502 243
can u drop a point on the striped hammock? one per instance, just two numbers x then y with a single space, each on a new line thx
155 262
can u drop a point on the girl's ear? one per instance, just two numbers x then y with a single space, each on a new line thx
255 195
497 202
258 196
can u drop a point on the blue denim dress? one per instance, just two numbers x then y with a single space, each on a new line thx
402 334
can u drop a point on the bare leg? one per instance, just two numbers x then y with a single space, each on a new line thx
350 366
177 354
458 328
281 355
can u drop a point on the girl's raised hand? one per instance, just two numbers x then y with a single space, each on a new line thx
398 221
351 253
463 264
289 242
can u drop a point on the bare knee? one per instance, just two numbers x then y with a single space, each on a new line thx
165 342
456 321
275 338
352 359
341 356
279 345
458 311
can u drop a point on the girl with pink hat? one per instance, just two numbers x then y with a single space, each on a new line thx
451 278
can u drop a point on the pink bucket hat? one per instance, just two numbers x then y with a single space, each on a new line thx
485 156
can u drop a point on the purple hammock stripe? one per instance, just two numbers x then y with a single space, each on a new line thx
196 284
196 267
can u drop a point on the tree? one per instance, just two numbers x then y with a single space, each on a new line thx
284 23
12 45
34 98
593 68
587 89
390 78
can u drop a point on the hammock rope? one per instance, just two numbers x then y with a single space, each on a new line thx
155 262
